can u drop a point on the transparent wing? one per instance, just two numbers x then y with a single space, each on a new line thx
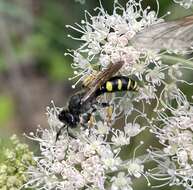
172 35
101 78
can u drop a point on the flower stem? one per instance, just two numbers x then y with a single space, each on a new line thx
173 60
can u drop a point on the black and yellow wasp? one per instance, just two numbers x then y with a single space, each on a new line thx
176 34
83 104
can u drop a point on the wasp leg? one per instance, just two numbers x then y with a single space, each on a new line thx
109 110
91 121
86 118
60 130
70 134
109 114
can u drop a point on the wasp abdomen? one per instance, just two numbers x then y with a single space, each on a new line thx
117 83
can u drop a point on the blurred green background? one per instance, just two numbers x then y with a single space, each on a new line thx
33 68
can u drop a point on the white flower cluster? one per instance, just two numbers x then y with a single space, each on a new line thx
91 161
185 3
106 39
109 38
175 133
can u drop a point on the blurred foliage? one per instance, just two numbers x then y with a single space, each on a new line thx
6 109
15 158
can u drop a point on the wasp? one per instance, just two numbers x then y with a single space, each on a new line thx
83 104
176 34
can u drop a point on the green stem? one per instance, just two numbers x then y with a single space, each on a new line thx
173 60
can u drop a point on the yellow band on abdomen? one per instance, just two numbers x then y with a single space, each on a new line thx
129 84
135 86
109 86
120 84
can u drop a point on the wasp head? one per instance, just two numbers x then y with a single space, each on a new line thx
69 119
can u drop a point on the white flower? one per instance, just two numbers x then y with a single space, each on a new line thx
155 77
86 161
106 38
57 167
185 3
147 93
120 139
135 168
121 182
102 128
133 129
110 161
111 38
176 135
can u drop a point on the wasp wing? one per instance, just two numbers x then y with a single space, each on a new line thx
171 35
101 78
